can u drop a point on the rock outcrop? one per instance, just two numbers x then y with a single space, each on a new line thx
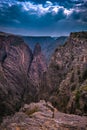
67 74
17 63
43 116
38 66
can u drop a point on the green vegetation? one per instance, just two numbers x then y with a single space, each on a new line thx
30 112
77 94
77 99
84 88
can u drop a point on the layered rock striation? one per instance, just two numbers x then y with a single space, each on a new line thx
67 75
38 66
25 77
43 116
19 67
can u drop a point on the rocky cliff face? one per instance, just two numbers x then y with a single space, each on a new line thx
38 66
68 75
43 116
18 68
24 78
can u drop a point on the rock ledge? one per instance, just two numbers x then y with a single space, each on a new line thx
43 116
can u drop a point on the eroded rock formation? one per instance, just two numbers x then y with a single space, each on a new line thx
67 74
43 116
24 78
18 68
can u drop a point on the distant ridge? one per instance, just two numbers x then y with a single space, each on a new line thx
47 43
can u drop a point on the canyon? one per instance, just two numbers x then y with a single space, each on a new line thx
26 76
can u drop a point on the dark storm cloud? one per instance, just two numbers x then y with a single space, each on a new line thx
80 13
43 17
81 16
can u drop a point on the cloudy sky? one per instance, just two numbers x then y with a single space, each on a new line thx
41 17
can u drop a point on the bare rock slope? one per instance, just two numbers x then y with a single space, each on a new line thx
43 116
